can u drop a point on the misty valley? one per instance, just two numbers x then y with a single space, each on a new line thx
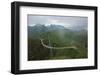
56 42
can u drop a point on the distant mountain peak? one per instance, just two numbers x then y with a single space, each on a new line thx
51 27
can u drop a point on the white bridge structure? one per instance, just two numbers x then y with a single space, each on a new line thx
52 47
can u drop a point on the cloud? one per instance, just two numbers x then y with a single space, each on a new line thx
66 21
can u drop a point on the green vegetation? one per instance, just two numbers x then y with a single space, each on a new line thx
61 37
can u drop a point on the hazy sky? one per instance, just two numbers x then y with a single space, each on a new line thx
66 21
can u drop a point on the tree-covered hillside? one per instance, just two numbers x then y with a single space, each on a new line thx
56 36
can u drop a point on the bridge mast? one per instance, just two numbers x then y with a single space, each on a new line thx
51 52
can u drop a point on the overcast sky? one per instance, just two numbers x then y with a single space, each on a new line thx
66 21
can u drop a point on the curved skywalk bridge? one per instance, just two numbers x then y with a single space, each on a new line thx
51 47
